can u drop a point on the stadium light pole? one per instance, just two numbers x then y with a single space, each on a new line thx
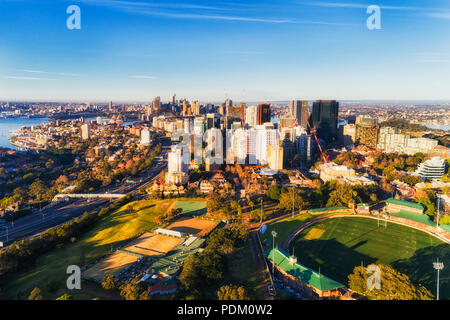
293 210
437 221
438 266
274 235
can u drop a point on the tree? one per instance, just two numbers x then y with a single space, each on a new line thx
290 196
214 202
394 285
35 294
342 195
274 192
65 296
232 292
109 282
412 180
38 189
445 220
236 207
134 290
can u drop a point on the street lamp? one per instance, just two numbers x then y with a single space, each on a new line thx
274 235
260 217
438 266
6 227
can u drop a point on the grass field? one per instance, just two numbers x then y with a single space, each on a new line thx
347 242
108 234
191 207
284 227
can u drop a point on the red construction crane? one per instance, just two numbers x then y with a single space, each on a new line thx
313 131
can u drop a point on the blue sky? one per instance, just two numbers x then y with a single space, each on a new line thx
247 50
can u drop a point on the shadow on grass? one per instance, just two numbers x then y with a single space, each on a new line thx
419 268
334 259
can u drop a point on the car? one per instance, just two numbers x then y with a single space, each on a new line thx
271 290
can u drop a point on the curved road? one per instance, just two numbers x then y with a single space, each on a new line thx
51 216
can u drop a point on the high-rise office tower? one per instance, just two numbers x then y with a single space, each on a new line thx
263 113
228 103
173 100
324 118
85 131
110 106
145 137
275 157
156 103
366 131
195 107
243 106
212 121
265 136
299 110
199 126
251 116
177 161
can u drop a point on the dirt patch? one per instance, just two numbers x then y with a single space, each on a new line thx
153 245
195 226
112 264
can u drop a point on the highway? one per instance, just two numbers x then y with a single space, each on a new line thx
54 215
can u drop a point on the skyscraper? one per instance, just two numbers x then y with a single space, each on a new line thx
251 116
195 107
145 137
177 160
156 103
263 113
85 131
299 110
173 100
366 131
212 121
275 157
324 118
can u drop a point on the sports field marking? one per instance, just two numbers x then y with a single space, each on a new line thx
314 233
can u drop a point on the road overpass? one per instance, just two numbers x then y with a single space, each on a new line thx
88 196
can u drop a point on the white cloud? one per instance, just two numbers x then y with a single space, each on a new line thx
25 78
142 77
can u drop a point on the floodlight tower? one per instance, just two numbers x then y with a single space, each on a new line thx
438 266
274 235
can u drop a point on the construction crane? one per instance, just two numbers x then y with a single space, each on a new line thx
313 131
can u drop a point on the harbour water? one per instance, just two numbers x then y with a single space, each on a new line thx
9 125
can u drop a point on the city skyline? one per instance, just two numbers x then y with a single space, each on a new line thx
258 51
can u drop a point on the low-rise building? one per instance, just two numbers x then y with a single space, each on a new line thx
432 169
396 205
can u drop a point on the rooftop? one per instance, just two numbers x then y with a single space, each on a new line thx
304 274
414 205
